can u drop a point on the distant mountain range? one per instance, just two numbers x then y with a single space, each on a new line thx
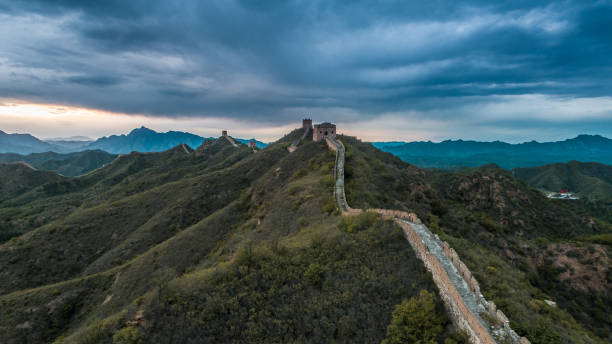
445 155
140 140
145 140
24 144
453 154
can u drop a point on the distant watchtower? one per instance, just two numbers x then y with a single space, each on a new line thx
323 130
252 144
306 123
224 133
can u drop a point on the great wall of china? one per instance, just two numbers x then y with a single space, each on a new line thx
459 289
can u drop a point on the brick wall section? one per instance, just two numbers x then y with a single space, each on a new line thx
461 315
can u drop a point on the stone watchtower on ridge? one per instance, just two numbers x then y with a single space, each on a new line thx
323 130
306 123
224 133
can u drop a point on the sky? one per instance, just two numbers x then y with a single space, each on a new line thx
381 70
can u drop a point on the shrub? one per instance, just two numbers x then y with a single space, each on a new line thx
128 335
327 181
416 321
315 274
330 206
293 190
353 224
302 222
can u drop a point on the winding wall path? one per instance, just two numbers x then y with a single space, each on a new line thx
231 140
295 143
459 290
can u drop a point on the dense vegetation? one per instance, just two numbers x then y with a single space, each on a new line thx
224 245
418 320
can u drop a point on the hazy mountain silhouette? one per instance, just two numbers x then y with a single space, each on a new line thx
140 140
24 144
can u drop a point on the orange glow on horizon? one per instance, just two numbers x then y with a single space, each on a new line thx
53 120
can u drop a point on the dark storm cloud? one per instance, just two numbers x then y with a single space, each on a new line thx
260 60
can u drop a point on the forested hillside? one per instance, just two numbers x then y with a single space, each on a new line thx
591 180
68 164
221 244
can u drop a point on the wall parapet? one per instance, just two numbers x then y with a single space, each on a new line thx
462 317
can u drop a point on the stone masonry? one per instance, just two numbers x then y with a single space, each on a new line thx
323 131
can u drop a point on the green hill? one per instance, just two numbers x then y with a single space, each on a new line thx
590 180
69 164
222 244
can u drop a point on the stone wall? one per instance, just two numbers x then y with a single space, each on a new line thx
462 317
460 313
495 314
400 214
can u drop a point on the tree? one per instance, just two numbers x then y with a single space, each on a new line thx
416 321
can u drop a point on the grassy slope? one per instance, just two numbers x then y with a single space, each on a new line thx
104 235
275 214
16 180
70 164
127 175
19 178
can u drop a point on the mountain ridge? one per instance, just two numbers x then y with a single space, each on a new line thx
140 139
461 153
67 164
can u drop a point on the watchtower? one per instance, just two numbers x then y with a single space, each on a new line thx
323 130
224 133
306 123
252 144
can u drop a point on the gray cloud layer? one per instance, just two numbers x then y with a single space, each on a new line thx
265 60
